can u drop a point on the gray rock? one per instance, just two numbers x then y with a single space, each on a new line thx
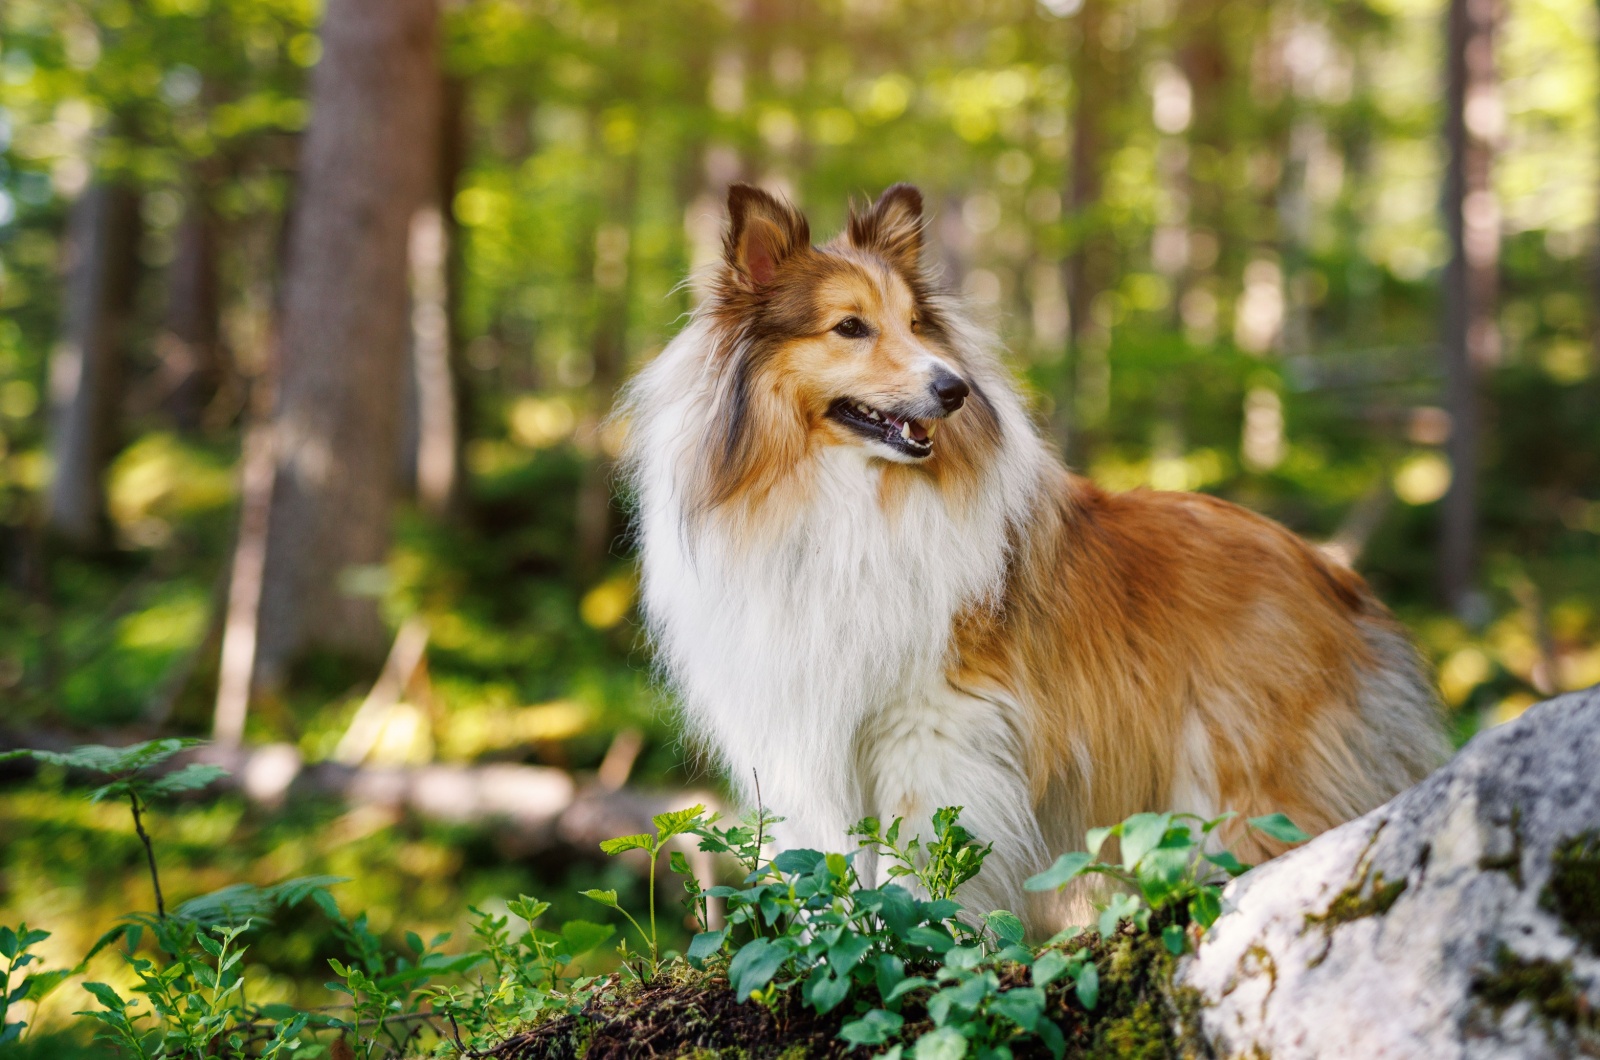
1460 919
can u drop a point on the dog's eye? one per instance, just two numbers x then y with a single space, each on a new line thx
851 328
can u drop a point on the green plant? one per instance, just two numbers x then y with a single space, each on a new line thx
917 972
529 981
668 825
1163 866
191 981
900 965
15 946
130 772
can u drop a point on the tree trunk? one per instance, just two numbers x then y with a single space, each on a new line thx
367 167
1094 89
435 405
190 346
86 368
1471 341
596 520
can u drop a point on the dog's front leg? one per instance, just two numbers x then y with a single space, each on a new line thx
953 748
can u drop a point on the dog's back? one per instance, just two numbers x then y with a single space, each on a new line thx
1178 652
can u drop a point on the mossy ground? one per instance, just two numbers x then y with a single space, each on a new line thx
1139 1016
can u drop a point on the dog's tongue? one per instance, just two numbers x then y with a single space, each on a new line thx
918 431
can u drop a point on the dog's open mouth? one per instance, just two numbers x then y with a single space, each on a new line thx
910 436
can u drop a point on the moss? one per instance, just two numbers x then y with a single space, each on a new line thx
1510 862
1351 904
1573 893
1546 985
1144 1032
1354 903
1141 1016
1367 894
1358 900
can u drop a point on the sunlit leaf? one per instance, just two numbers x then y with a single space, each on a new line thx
677 821
1006 925
191 777
605 898
1279 827
628 842
1141 833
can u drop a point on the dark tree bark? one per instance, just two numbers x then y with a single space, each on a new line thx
190 345
1095 70
86 368
367 167
596 516
1470 337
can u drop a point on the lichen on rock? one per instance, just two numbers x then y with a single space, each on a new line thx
1461 919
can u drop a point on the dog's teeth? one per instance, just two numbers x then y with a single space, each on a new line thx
905 431
933 426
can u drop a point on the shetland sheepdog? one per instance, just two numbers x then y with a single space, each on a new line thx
878 592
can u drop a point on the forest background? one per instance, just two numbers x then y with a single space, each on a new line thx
310 321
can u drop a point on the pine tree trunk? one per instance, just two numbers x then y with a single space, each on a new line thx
596 517
1094 74
1470 337
431 438
86 367
190 346
367 167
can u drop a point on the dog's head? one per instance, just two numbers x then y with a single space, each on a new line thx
846 344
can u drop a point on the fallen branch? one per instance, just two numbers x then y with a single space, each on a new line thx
543 807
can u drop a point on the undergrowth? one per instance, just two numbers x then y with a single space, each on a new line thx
800 955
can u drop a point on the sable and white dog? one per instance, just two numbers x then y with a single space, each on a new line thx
875 587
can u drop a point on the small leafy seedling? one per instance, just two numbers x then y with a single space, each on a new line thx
668 825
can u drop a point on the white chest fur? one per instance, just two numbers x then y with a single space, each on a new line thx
783 646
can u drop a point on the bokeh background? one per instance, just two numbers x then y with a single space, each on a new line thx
311 314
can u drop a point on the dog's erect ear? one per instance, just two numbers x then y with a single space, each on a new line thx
892 227
763 233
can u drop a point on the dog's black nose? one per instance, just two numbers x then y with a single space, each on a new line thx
950 389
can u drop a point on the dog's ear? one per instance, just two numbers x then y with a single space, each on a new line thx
763 233
892 227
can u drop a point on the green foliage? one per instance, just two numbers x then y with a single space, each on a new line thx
668 825
1163 866
901 964
129 773
129 769
15 944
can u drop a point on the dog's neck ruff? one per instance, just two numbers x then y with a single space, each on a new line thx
782 634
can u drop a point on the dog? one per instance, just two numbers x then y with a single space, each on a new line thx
876 591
